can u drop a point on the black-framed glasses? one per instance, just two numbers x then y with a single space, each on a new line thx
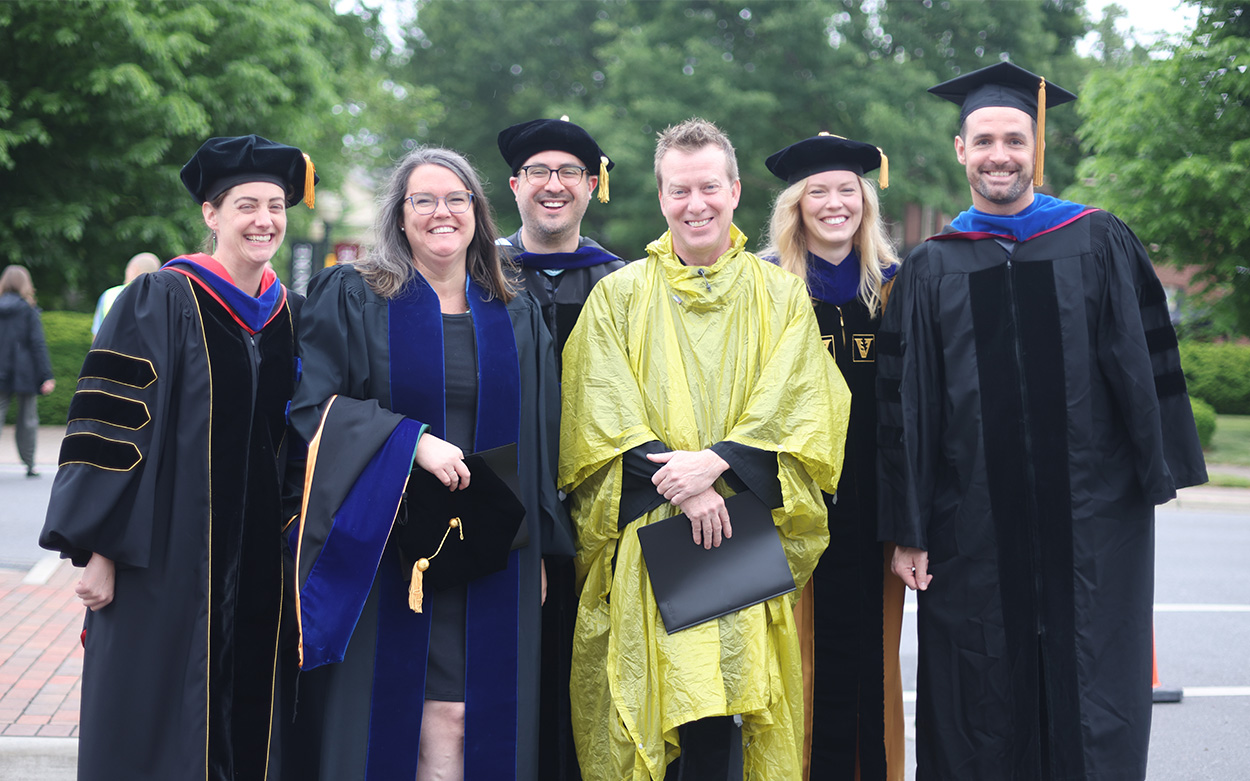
457 202
541 174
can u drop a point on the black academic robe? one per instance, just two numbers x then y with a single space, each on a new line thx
848 713
1032 413
171 467
346 341
562 296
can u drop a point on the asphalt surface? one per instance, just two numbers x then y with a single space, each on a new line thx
1202 625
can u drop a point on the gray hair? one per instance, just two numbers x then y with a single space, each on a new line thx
388 268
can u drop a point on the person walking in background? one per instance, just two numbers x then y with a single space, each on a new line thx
25 368
1032 413
143 263
826 228
170 489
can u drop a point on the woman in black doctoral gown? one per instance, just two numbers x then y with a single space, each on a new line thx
421 352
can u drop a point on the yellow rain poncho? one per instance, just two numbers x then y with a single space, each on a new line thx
692 356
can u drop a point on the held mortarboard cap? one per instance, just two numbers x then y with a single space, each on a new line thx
519 143
1010 86
222 163
826 152
453 537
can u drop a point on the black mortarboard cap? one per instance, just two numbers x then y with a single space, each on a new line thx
826 152
1001 84
519 143
488 519
1005 84
222 163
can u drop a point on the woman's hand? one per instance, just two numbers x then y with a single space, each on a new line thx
95 588
47 387
443 460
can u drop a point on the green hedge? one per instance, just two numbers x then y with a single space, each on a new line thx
1204 419
1219 374
69 339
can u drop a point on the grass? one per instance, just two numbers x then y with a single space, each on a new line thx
1231 442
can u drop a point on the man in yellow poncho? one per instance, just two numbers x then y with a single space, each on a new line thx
693 374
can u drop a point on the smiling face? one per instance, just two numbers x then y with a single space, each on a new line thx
439 241
552 211
832 208
996 148
698 200
250 223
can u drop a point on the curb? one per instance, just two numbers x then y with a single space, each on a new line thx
38 759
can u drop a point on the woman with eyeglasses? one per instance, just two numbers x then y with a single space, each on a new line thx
416 355
826 227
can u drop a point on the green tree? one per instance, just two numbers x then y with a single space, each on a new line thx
769 73
1170 144
102 102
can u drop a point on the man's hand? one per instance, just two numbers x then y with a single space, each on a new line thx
709 520
912 565
95 588
686 473
443 460
542 566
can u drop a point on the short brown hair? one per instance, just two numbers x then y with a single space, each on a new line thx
691 136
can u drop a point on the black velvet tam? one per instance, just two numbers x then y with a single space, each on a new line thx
823 153
1001 84
519 143
222 163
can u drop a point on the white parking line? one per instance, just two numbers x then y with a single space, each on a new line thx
1163 607
38 575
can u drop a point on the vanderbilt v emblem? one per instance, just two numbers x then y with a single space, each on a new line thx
863 352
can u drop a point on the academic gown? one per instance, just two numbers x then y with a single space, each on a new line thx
561 297
359 718
171 467
857 718
1032 413
691 357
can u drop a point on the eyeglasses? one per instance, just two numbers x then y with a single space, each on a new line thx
427 203
541 174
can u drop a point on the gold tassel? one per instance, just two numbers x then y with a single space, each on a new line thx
884 178
1039 156
416 592
603 180
310 181
416 589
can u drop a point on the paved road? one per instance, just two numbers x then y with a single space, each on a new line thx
1202 624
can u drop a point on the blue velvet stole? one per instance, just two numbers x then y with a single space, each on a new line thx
1042 216
491 675
334 593
251 312
583 257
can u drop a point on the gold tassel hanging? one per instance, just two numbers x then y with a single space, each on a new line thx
1039 156
310 181
603 179
884 178
416 589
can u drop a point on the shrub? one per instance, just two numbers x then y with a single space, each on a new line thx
1204 419
69 339
1218 373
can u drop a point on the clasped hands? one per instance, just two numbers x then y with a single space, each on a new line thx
686 479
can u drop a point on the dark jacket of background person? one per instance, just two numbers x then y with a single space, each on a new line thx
24 362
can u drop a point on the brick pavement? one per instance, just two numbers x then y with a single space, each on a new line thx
40 654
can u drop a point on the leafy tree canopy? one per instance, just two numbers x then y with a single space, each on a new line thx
1170 143
102 102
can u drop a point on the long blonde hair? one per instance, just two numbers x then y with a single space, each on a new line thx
17 279
788 243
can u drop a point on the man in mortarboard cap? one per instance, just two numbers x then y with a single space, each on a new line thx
556 165
1032 412
169 491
